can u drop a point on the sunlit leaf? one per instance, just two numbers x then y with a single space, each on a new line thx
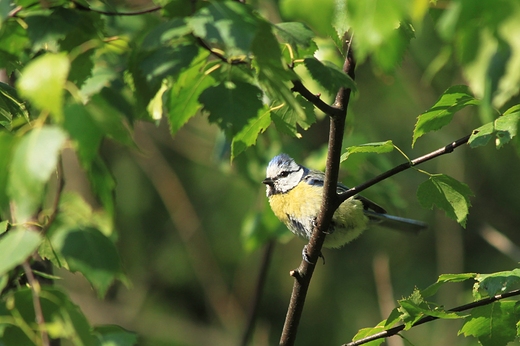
331 77
446 278
16 246
34 160
298 35
447 194
499 282
493 324
43 81
229 25
250 132
377 148
440 114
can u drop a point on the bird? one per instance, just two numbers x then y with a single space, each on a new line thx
295 195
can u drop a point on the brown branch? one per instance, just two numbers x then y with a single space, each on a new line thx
404 166
38 312
303 274
395 330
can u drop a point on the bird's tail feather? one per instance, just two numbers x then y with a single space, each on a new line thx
396 222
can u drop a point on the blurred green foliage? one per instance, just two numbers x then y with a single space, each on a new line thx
160 126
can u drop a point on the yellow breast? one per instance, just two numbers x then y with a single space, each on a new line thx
303 203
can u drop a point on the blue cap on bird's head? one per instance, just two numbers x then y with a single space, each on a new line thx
280 161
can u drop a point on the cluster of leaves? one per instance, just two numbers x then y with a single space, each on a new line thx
491 319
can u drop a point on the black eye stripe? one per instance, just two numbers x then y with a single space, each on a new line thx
284 174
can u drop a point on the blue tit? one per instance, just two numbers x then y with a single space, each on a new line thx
295 195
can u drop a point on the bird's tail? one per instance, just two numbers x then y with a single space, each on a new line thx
396 222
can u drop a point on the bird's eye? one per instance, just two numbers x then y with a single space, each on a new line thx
284 174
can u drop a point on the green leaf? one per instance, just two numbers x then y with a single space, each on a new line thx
499 282
91 253
16 246
34 160
446 278
153 66
112 335
42 82
4 225
452 100
331 77
183 98
249 133
447 194
366 332
377 147
481 135
109 120
7 145
299 36
10 106
231 104
273 74
103 184
287 119
63 318
493 324
230 25
506 127
84 132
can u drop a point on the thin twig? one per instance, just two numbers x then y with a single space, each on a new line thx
303 274
35 289
395 330
404 166
260 284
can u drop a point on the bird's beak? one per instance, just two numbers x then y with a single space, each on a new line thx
268 181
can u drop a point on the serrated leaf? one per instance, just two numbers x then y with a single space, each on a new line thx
91 253
440 114
366 332
231 104
446 278
499 282
298 35
376 147
447 194
230 25
183 98
34 160
43 81
330 76
287 119
164 33
272 75
16 246
493 324
249 133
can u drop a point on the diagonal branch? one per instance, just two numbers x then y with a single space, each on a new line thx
404 166
395 330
